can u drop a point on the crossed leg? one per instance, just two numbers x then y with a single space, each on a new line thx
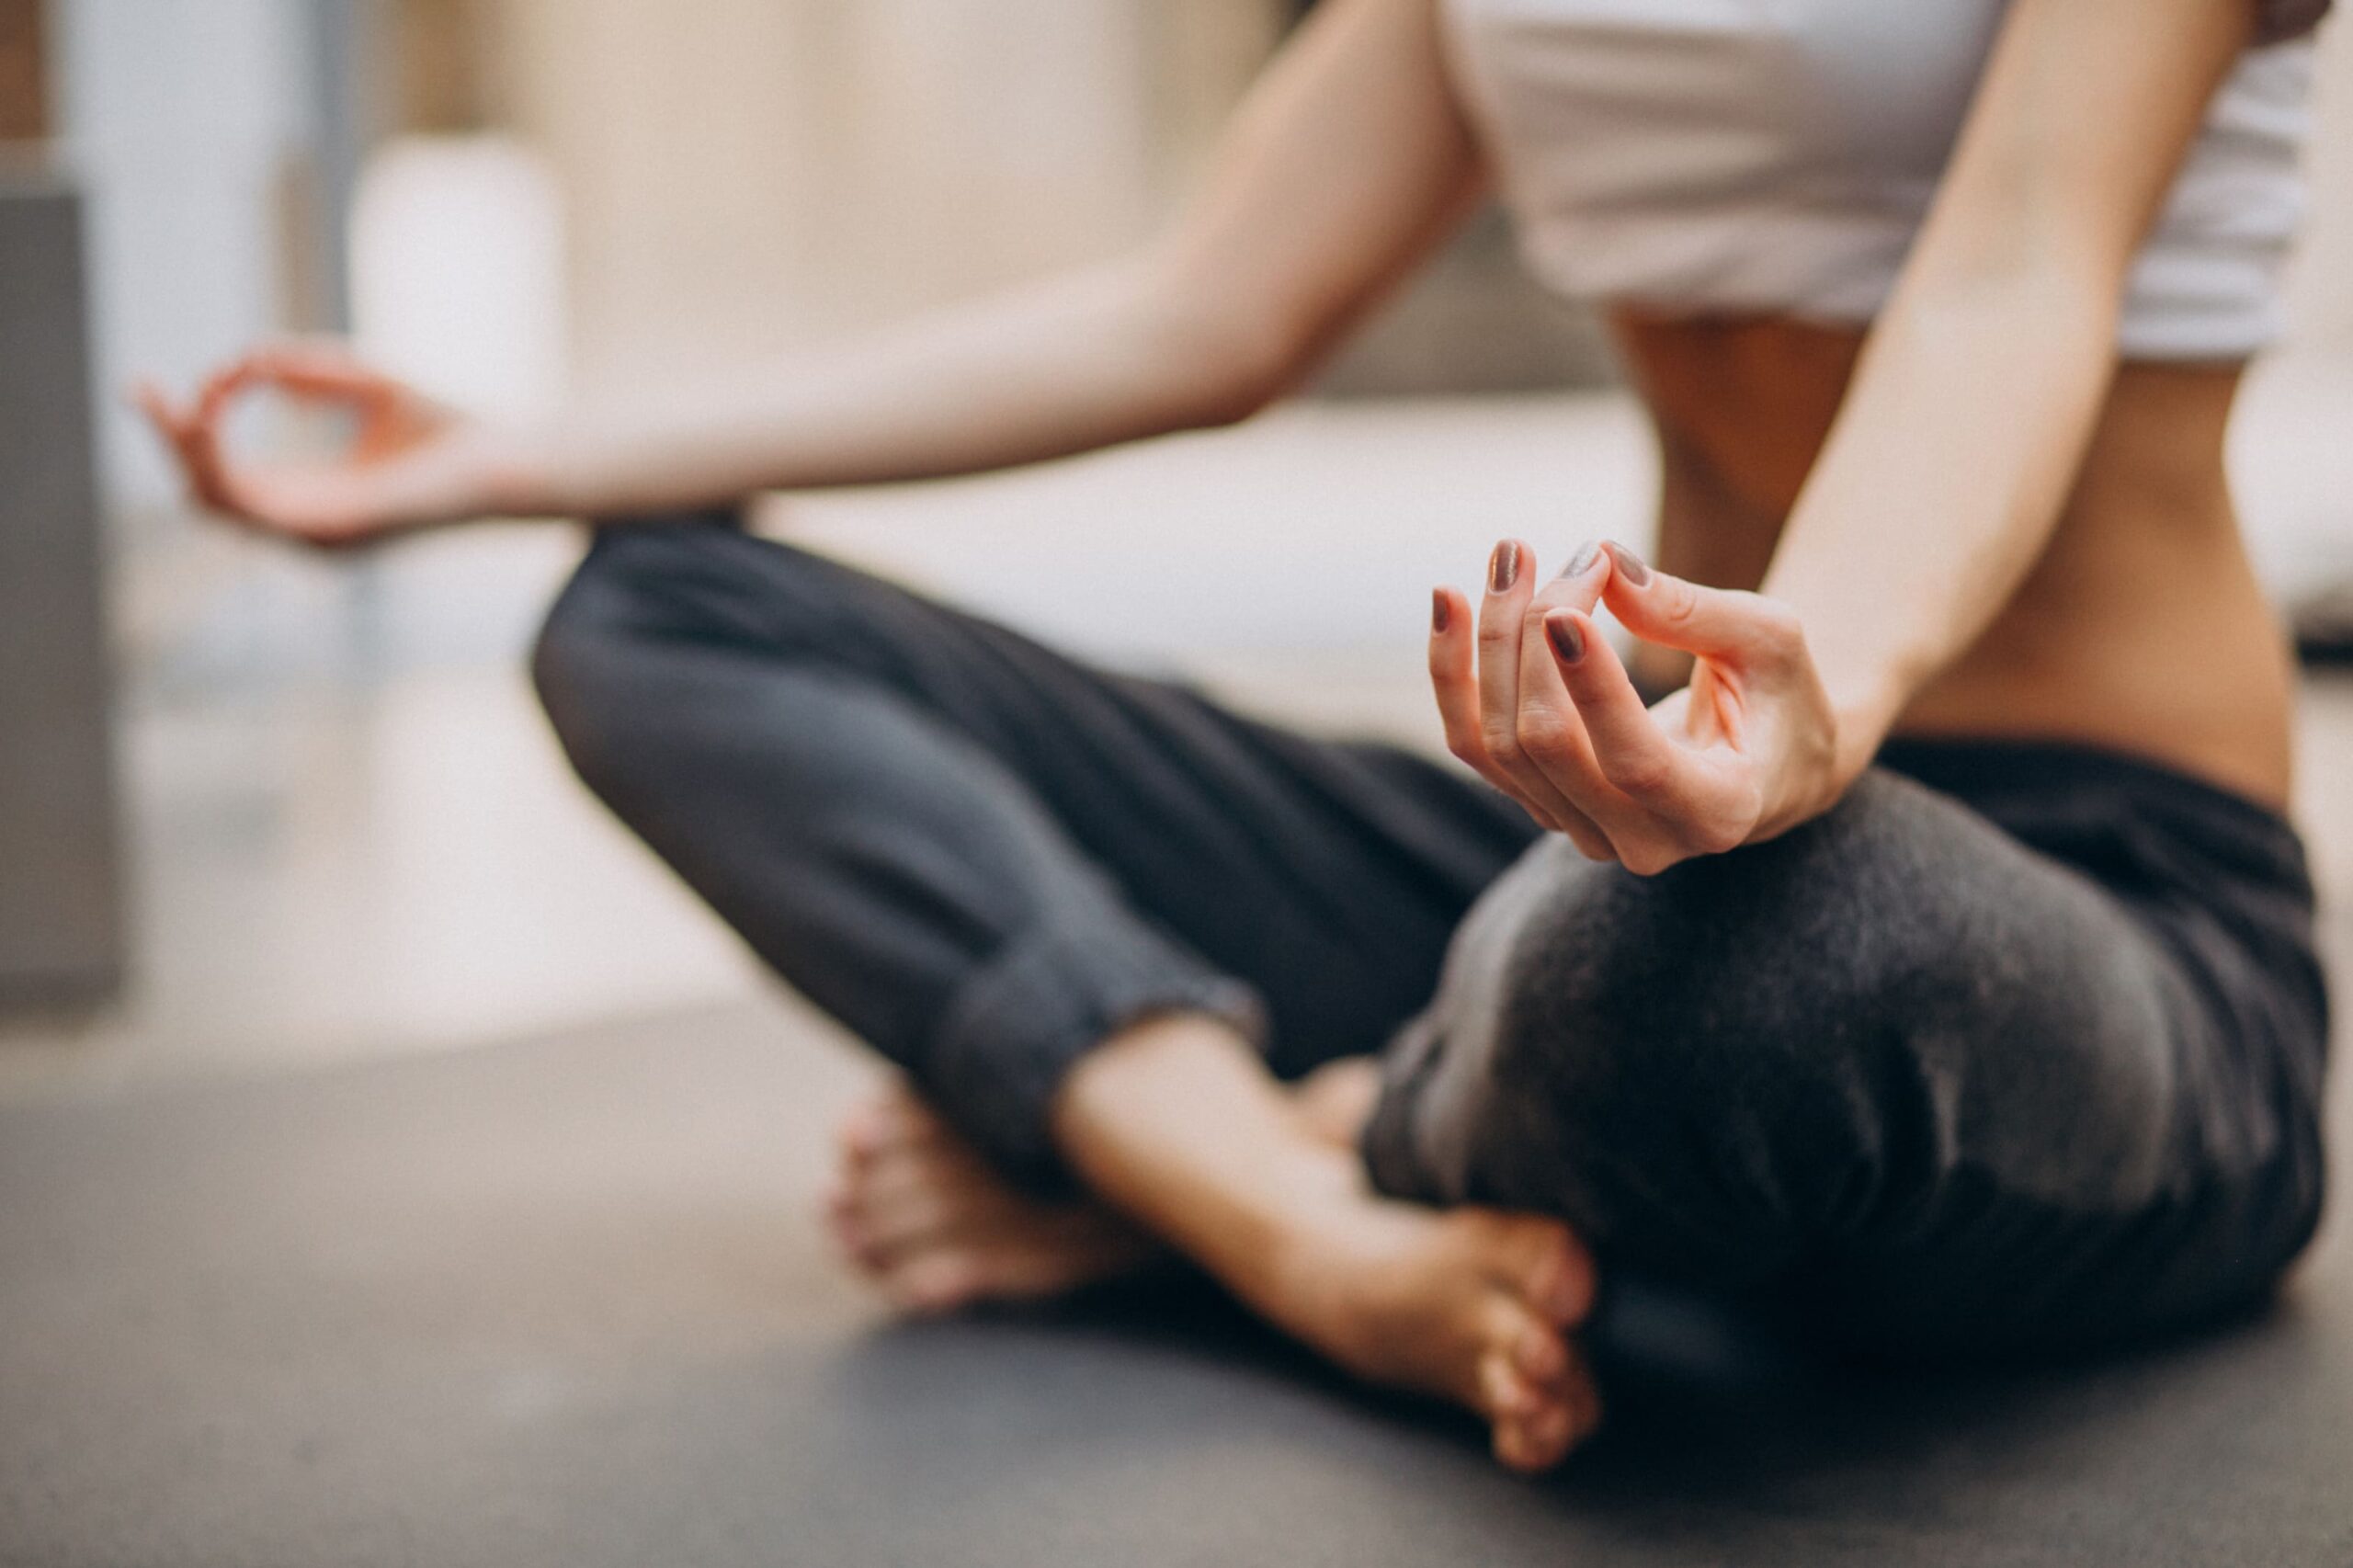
1951 1091
1094 920
1931 1086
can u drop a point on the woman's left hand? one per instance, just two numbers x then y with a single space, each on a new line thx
1536 699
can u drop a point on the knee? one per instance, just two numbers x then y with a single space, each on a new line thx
1770 991
637 584
579 655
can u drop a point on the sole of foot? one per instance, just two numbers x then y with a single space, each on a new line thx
916 1210
1474 1306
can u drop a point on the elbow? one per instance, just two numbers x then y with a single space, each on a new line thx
1242 393
1224 365
1234 371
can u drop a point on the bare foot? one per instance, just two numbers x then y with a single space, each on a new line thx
917 1211
1472 1305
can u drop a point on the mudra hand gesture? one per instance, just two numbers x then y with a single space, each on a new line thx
1534 697
411 462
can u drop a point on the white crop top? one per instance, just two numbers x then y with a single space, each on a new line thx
1777 156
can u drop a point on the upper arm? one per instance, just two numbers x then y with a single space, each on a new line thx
2080 123
1346 165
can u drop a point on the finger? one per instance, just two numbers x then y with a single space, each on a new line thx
1630 750
1501 611
1674 613
1578 586
1502 615
306 374
328 371
162 413
199 446
215 392
1689 793
212 479
179 430
1454 678
222 388
1552 734
1542 697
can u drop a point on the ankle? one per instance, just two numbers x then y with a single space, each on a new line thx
1278 1253
1178 1123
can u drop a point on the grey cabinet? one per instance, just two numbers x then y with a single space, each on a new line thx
61 912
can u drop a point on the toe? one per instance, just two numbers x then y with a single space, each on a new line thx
861 1135
905 1119
1534 1386
902 1205
1509 1387
857 1247
1556 1274
1541 1354
934 1283
1506 1397
1545 1438
1512 1448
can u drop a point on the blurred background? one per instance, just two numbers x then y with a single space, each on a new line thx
262 809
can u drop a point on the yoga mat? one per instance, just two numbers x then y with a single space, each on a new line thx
560 1302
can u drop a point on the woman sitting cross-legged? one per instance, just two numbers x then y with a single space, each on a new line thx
1932 960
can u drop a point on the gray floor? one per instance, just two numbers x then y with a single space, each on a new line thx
548 1302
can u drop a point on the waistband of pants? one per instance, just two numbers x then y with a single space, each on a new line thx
2031 787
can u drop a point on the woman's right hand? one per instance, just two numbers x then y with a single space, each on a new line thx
411 463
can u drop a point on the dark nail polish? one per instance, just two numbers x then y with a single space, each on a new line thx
1439 611
1566 640
1582 561
1503 571
1630 565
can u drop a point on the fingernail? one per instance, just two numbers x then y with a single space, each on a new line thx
1566 640
1630 565
1582 561
1503 569
1438 609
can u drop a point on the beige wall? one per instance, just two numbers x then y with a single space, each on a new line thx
747 174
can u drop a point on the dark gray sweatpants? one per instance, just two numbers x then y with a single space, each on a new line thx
2023 1049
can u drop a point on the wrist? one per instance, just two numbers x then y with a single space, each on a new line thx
1867 676
1861 715
1842 708
510 471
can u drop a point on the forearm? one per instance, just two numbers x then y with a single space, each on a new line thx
1976 397
1941 482
1083 362
1350 159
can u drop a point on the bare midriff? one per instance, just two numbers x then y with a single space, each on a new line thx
2141 628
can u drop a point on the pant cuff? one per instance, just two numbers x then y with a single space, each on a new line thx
1018 1026
1392 1153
